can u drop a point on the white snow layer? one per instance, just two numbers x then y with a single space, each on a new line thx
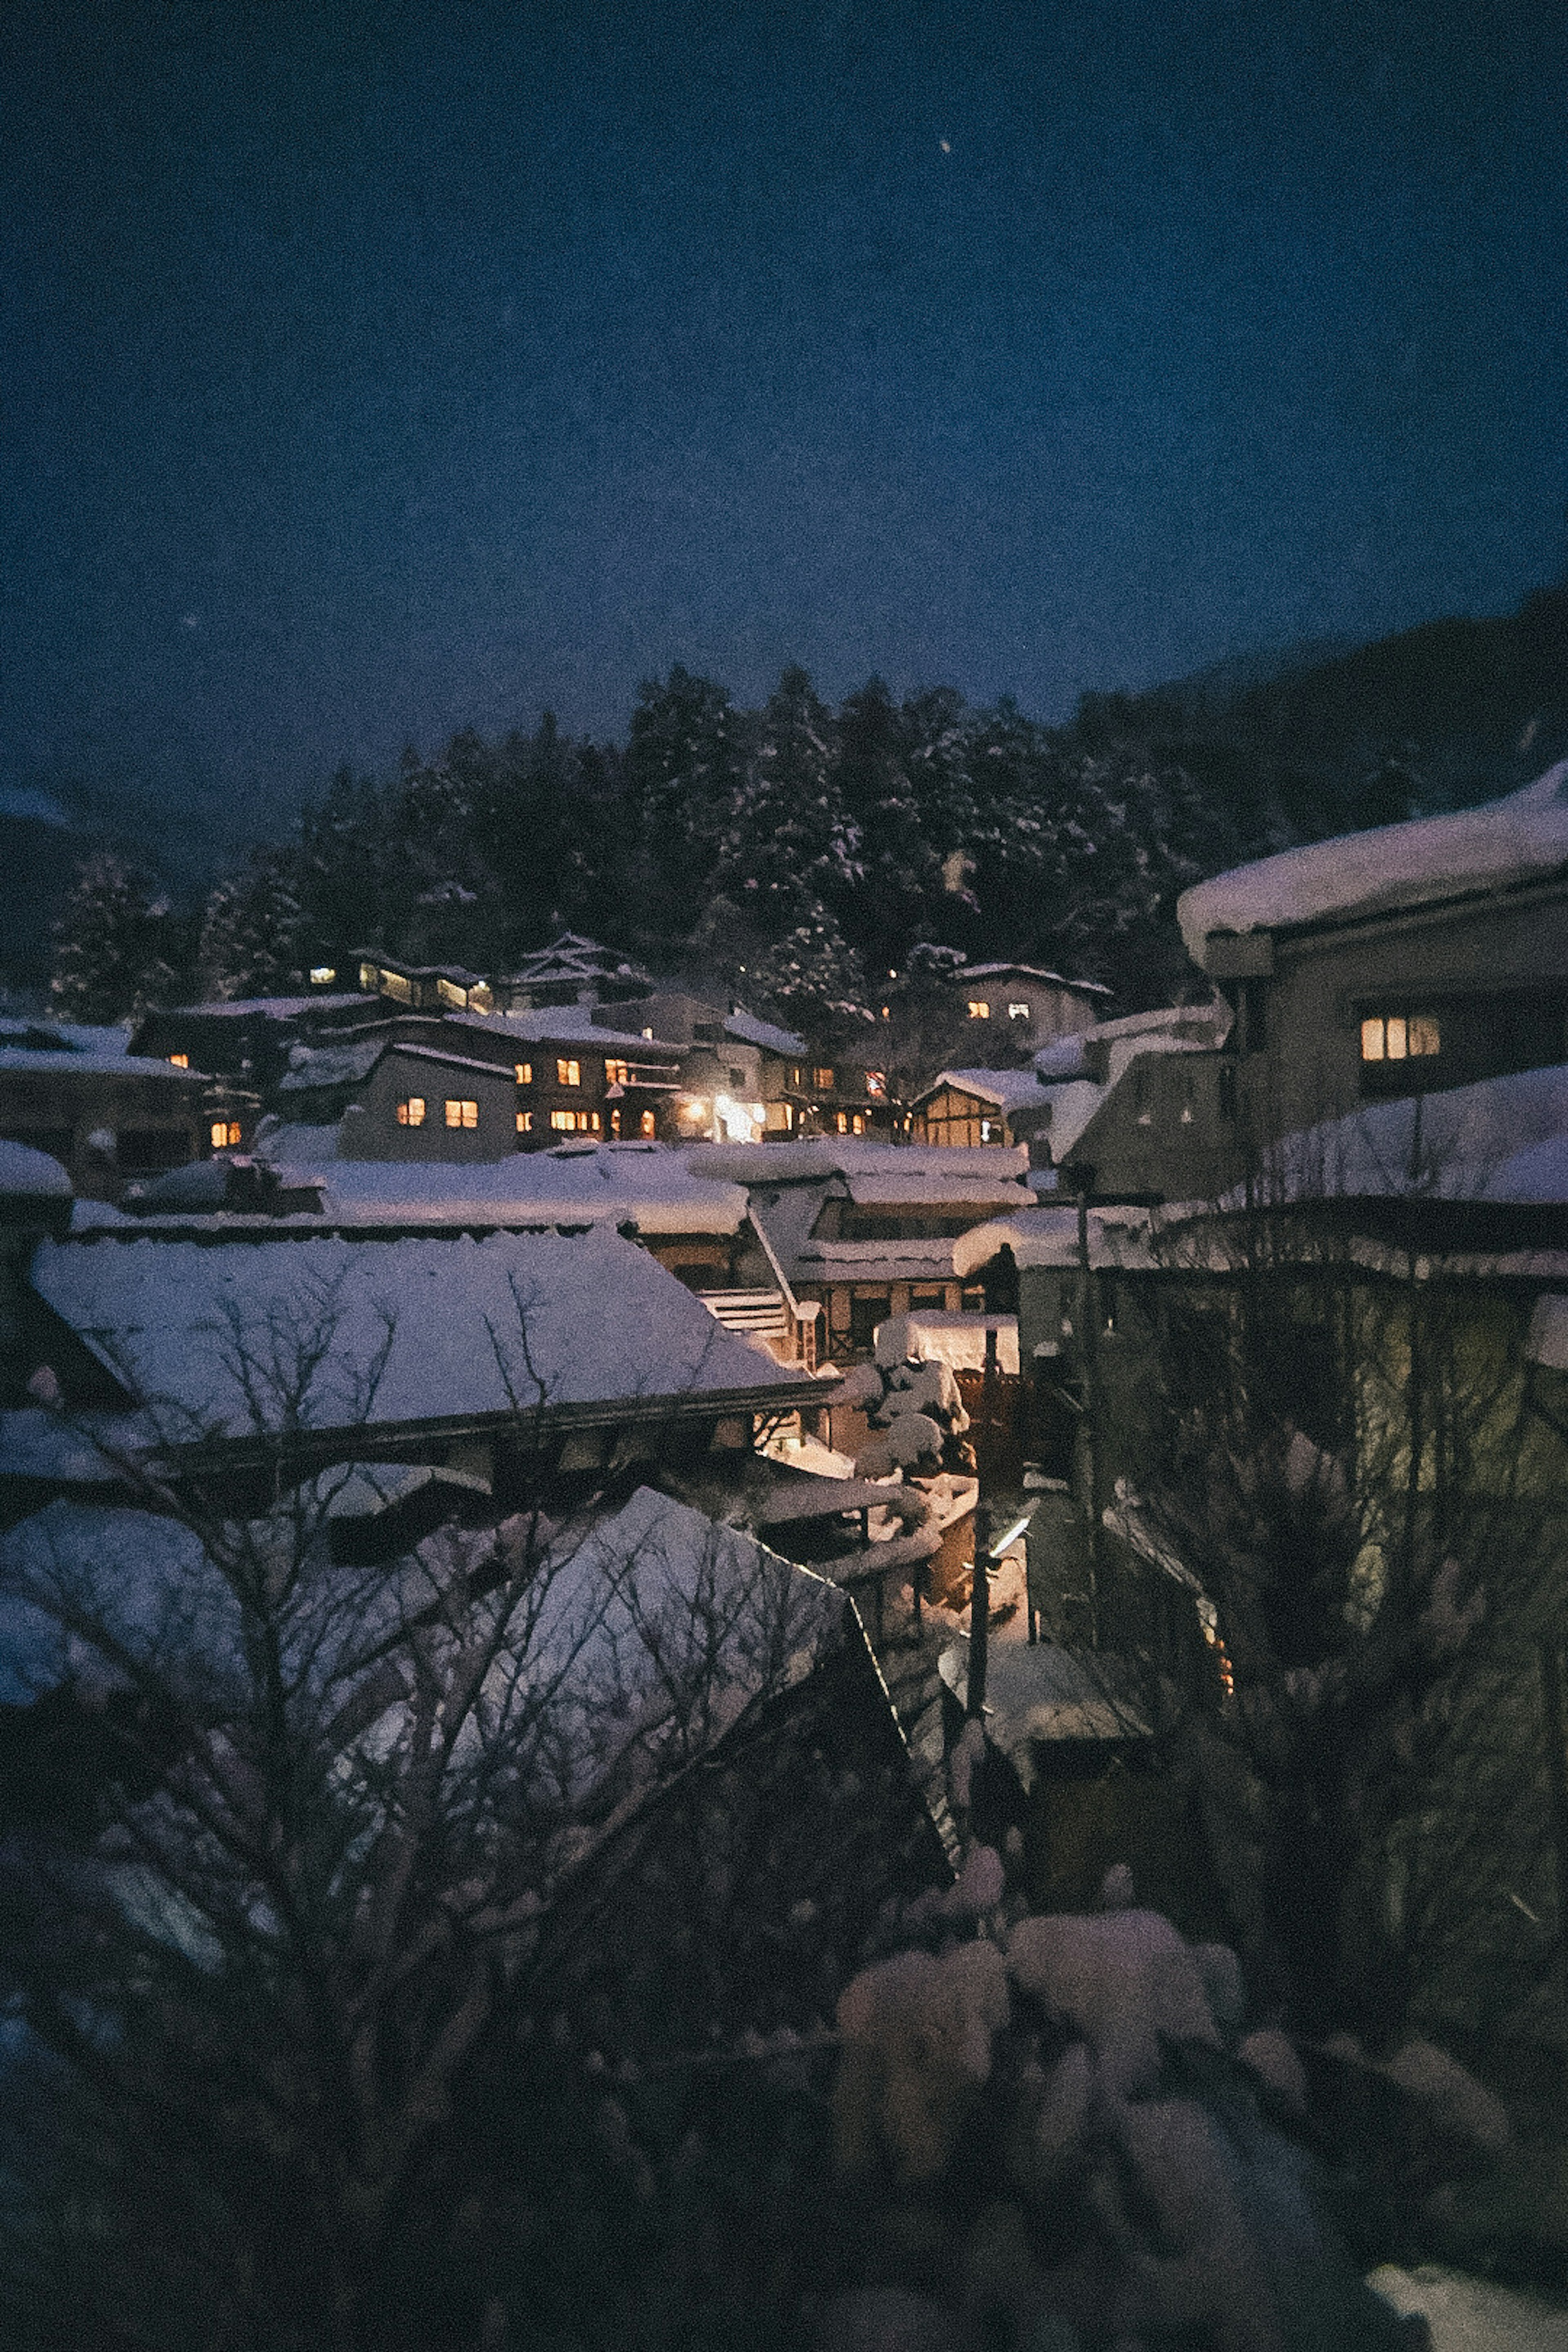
414 1329
1505 841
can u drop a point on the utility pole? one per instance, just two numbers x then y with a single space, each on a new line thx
1087 1316
980 1595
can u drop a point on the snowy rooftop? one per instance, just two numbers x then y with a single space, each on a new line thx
646 1185
459 1328
51 1046
1520 839
573 957
272 1008
1010 1090
563 1024
1048 1237
974 1187
29 1175
652 1629
1502 1139
1032 971
765 1034
767 1164
331 1066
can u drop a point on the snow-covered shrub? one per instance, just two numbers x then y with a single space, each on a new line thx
916 2034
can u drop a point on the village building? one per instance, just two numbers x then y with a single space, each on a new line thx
1025 1006
571 970
521 1359
859 1231
106 1115
248 1040
1395 962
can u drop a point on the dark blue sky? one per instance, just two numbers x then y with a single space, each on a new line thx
370 370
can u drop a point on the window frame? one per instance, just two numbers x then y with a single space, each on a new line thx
464 1105
410 1112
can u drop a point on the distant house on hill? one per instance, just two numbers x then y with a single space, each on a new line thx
106 1115
248 1040
1026 1005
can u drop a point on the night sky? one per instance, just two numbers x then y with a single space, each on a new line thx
372 369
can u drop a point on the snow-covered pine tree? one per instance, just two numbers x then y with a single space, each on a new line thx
253 933
115 948
812 978
683 772
790 846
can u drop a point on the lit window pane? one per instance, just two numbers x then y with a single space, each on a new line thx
1372 1041
1396 1047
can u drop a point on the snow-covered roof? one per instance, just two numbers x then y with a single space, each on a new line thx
1520 839
1010 1090
331 1066
564 1025
285 1143
271 1008
55 1046
647 1185
654 1627
1117 1236
29 1175
763 1165
467 1328
573 957
899 1260
1504 1139
1070 1106
765 1034
974 1187
1031 971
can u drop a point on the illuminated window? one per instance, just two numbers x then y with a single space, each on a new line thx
525 1122
322 974
450 993
181 1061
877 1085
615 1073
481 997
461 1113
858 1124
841 1120
525 1074
393 984
648 1122
367 975
569 1122
1017 1012
821 1079
616 1122
411 1113
568 1073
1399 1036
227 1133
978 1009
795 1076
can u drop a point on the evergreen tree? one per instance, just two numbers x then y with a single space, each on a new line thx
900 857
116 944
812 979
684 767
791 847
253 933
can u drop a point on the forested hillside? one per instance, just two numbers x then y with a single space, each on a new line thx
801 854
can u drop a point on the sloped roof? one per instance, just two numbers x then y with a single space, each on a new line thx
1504 1139
331 1066
765 1034
1010 1090
563 1024
978 1188
430 1328
766 1165
649 1186
1031 971
1520 839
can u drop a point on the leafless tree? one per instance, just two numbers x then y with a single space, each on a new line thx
258 1952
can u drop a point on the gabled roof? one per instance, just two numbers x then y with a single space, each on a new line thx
765 1034
573 957
646 1185
1031 971
1010 1090
1520 839
442 1328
